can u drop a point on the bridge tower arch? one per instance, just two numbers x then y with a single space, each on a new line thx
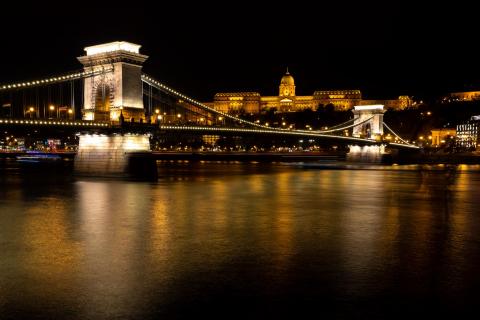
368 121
113 82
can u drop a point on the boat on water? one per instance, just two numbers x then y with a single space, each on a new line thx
39 158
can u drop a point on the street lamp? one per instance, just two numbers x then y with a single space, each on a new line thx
51 108
30 111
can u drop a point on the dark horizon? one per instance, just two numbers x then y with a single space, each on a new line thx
385 50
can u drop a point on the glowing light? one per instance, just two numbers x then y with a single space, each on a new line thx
179 115
370 107
157 111
113 46
70 111
52 107
31 109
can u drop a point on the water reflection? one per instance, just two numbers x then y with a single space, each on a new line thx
263 241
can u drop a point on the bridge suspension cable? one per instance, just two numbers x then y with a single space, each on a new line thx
160 86
343 123
53 80
341 129
396 135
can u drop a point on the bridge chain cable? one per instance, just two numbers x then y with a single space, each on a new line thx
312 134
53 80
343 123
341 129
396 135
160 86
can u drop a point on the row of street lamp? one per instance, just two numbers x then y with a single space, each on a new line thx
178 116
31 111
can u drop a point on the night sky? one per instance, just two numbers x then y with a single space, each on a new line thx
383 49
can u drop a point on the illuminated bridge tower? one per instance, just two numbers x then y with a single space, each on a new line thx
369 125
369 120
116 86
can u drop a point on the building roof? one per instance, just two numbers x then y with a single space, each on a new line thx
237 94
287 79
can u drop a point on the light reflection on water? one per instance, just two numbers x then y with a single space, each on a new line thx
241 240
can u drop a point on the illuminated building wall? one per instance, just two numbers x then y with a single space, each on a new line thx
440 135
288 101
226 102
465 96
468 133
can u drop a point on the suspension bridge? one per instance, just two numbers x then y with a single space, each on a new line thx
112 105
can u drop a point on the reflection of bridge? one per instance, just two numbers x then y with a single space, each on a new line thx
111 91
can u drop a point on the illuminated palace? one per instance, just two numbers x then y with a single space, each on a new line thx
288 101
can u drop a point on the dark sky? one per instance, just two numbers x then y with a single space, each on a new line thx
384 49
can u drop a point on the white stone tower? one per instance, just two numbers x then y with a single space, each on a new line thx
116 85
372 118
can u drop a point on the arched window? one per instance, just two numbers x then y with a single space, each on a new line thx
102 97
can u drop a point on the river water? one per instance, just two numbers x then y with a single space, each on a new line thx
241 240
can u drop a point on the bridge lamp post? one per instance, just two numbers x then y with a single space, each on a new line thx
51 109
159 119
31 110
179 116
70 113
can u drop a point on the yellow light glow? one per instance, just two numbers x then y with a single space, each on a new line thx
52 107
157 111
113 46
31 109
70 111
179 115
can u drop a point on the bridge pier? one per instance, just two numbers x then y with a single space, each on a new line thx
368 154
115 155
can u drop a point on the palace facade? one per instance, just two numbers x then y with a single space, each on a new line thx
288 101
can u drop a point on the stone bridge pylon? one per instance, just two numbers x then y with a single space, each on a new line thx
368 121
116 85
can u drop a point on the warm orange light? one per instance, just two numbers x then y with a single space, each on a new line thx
52 107
179 115
31 109
157 111
70 111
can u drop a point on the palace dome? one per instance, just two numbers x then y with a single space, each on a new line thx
287 80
